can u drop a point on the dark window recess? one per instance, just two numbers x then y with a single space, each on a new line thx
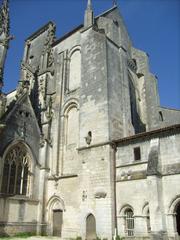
116 22
27 114
137 153
161 116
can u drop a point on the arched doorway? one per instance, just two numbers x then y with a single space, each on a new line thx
90 227
178 218
55 210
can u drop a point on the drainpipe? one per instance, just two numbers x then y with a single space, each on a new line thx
114 147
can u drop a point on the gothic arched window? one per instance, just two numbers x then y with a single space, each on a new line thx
72 126
129 222
16 171
75 70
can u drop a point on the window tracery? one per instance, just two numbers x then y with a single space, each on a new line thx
16 171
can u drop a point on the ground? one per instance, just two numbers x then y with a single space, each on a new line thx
32 238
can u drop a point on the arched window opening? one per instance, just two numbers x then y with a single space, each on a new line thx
75 70
91 227
178 218
129 222
161 116
16 171
72 126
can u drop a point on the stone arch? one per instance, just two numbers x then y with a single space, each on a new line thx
124 208
71 122
17 169
90 227
146 214
145 209
74 68
55 206
29 149
72 102
174 213
174 202
73 49
127 220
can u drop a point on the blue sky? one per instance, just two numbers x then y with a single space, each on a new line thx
154 26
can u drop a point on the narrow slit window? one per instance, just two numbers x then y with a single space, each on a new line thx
137 153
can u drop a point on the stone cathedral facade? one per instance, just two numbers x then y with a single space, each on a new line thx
85 147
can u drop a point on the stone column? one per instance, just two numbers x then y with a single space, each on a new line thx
140 226
171 230
156 209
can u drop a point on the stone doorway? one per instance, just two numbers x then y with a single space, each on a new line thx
90 227
178 219
57 222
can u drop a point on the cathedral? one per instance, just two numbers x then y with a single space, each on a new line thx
86 150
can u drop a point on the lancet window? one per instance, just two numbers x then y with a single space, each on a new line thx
16 171
129 222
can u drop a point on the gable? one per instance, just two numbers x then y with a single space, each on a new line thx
21 125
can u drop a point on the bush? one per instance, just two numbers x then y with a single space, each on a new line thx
118 238
24 234
79 238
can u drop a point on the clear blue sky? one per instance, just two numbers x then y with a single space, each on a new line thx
154 26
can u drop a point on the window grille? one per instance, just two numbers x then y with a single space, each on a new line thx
16 171
129 222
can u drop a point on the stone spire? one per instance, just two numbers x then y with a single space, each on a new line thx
114 3
4 37
89 16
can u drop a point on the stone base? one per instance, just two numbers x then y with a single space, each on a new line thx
11 229
158 236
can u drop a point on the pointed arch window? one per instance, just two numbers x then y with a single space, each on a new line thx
129 222
16 171
75 70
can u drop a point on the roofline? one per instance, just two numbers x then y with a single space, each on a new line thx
10 91
147 134
106 12
80 26
172 109
39 31
67 35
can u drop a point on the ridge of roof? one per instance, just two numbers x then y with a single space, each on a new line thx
39 31
147 134
106 12
80 26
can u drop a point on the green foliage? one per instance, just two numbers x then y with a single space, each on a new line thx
79 238
24 234
119 238
98 238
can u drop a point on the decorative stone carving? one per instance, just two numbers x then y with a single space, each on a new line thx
132 64
84 195
4 18
88 138
49 111
19 155
2 103
42 86
42 141
101 194
50 38
50 58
